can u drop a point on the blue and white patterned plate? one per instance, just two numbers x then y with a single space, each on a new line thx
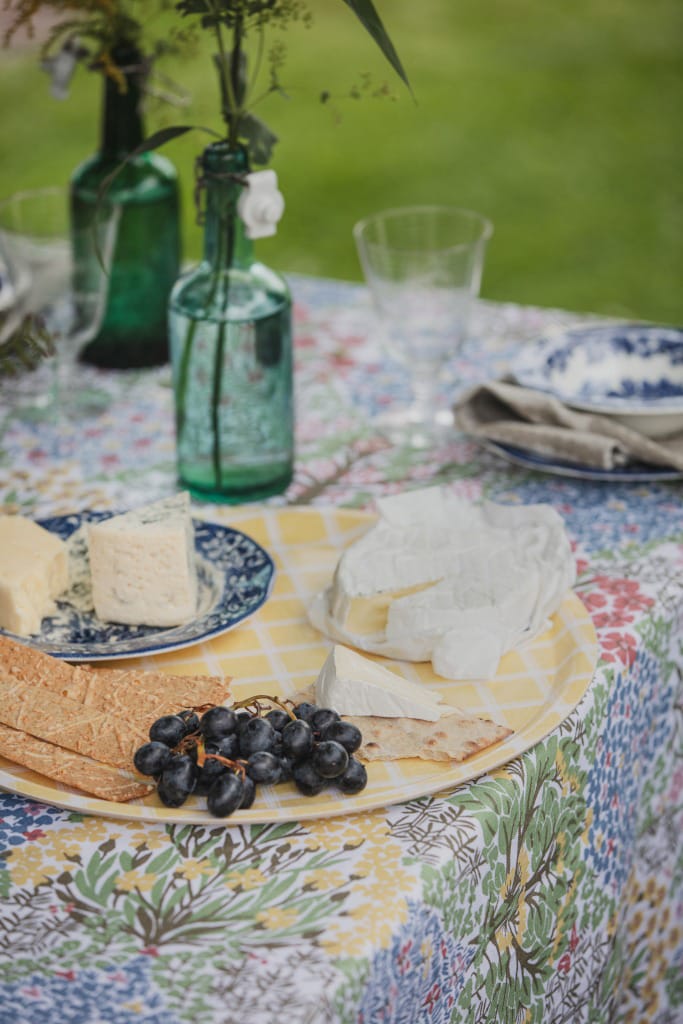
235 578
635 473
632 371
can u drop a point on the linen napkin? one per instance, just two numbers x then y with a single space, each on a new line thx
525 418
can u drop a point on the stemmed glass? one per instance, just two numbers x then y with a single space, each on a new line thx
55 280
423 266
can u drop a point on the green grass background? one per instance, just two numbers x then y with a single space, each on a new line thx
560 121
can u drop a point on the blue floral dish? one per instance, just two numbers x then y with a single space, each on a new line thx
235 578
631 371
633 473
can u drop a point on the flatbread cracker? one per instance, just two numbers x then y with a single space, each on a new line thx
91 731
457 735
72 769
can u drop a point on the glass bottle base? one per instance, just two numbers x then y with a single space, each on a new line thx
237 487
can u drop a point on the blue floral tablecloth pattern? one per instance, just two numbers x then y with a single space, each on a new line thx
546 892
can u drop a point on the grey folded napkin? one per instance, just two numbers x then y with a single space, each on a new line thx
525 418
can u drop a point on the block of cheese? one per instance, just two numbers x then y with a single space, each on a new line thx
142 565
354 685
33 572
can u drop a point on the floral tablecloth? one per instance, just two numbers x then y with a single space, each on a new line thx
548 891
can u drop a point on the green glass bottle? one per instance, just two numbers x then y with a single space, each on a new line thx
134 331
231 353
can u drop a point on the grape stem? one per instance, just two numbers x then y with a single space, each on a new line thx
254 700
236 766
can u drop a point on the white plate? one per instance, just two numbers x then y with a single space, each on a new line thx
633 372
235 578
634 474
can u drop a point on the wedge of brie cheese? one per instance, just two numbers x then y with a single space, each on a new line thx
437 578
354 685
142 565
33 572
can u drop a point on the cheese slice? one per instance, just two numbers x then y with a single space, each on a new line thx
142 565
354 685
33 572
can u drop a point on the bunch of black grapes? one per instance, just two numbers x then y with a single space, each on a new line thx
224 753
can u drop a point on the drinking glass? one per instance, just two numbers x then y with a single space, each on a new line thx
423 266
54 291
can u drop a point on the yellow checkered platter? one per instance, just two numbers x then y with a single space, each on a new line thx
278 652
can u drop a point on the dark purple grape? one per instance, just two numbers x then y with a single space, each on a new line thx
256 734
177 781
151 758
329 759
354 778
278 719
307 780
277 745
297 739
343 732
264 767
322 718
227 746
305 710
169 729
225 796
207 775
191 720
218 722
249 792
286 765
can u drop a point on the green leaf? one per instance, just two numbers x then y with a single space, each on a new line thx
259 138
370 19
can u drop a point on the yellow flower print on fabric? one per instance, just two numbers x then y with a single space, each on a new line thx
154 839
193 868
377 909
513 893
325 878
135 881
48 855
250 878
275 918
335 833
29 866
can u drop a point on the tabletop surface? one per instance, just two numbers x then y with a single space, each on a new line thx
548 889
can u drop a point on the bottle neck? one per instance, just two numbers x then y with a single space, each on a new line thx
225 242
122 128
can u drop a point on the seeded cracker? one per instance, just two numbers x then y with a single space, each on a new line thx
72 769
91 731
129 693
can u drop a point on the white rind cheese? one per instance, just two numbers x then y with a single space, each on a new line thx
354 685
33 572
439 579
142 565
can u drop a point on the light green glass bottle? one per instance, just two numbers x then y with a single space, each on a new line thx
231 352
146 263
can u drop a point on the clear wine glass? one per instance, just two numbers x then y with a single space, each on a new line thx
55 287
423 266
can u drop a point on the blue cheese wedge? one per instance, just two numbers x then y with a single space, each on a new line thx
354 685
142 565
33 572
